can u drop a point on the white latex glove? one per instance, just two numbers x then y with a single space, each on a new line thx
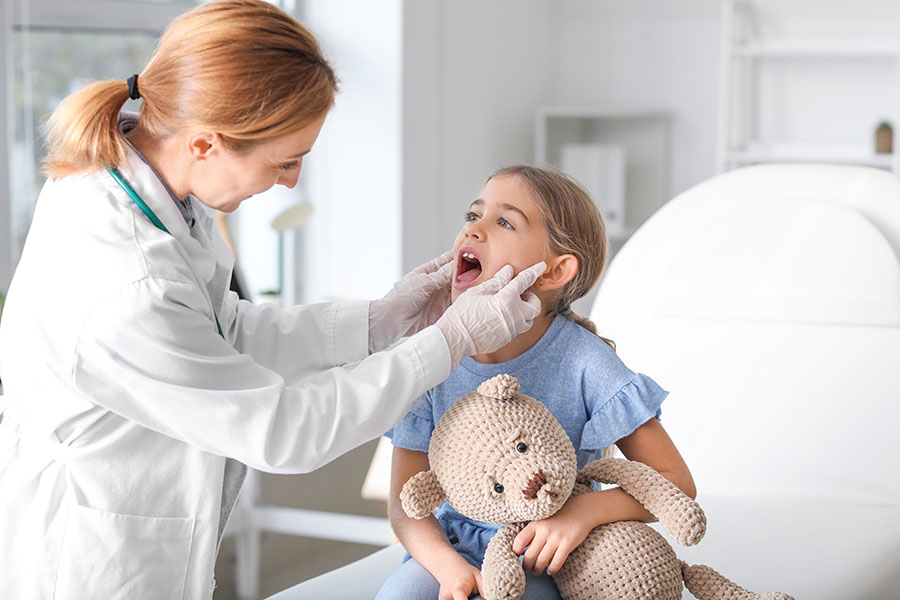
414 303
488 316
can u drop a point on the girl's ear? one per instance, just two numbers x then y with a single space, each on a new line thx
421 495
560 271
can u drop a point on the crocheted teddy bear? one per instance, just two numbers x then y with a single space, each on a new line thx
499 456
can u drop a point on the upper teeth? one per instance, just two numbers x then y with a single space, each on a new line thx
469 256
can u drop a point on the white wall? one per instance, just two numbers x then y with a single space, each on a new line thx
647 55
476 72
351 245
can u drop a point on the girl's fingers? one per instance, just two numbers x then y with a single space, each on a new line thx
532 553
523 539
562 553
544 558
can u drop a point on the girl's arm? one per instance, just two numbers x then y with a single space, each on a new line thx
424 539
550 540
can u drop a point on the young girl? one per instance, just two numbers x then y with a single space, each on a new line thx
525 215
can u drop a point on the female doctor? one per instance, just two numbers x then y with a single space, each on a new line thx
136 383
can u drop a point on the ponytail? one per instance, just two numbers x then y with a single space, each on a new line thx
241 68
82 133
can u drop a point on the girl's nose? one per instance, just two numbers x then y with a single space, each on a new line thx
474 230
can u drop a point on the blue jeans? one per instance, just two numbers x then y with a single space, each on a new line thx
412 581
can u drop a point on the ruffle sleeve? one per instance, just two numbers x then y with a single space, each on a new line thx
633 405
413 432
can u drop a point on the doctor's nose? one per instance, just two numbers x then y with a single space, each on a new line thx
289 178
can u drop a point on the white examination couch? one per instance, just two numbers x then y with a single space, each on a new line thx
767 299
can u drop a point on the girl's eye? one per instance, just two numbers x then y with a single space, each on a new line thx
498 488
521 447
289 166
470 216
504 223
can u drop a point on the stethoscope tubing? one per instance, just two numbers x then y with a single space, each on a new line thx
150 215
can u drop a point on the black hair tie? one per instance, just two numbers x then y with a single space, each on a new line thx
133 92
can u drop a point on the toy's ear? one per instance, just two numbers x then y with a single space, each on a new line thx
678 513
421 495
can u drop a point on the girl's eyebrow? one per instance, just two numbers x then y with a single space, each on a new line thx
504 205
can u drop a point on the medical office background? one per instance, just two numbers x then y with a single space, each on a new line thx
436 95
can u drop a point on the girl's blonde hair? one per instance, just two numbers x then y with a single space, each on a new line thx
243 68
574 226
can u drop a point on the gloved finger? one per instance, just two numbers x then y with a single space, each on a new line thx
440 279
435 264
523 280
534 302
499 281
443 275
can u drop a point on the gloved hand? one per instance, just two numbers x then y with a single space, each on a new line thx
488 316
414 303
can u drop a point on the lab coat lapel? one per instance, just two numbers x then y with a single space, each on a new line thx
210 241
209 259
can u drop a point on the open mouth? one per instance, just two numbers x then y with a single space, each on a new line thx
468 266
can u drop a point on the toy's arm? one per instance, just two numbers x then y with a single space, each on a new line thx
679 514
502 575
421 495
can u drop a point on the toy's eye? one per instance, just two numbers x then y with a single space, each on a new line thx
521 447
498 488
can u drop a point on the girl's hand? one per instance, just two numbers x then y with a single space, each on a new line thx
458 580
550 541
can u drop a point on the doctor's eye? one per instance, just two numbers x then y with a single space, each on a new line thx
498 488
289 166
521 447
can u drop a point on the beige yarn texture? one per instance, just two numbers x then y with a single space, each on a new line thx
499 456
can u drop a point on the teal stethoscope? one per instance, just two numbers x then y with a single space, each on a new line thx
150 215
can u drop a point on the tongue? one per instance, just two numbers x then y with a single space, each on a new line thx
469 276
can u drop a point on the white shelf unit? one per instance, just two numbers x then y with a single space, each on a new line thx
743 54
645 137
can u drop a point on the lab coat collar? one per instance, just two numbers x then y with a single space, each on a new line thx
210 259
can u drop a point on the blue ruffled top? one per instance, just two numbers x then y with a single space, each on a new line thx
595 397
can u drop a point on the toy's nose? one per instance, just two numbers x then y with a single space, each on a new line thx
537 481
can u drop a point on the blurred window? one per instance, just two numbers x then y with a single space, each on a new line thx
48 66
58 46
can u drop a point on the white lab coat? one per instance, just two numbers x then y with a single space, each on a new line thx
124 405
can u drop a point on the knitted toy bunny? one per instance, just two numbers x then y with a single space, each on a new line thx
498 456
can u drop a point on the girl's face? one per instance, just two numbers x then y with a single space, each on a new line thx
503 226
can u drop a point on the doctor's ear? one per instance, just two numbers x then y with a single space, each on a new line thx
560 271
203 143
421 495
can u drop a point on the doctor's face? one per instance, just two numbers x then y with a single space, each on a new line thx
504 226
226 178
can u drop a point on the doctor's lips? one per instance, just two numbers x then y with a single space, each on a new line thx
468 268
